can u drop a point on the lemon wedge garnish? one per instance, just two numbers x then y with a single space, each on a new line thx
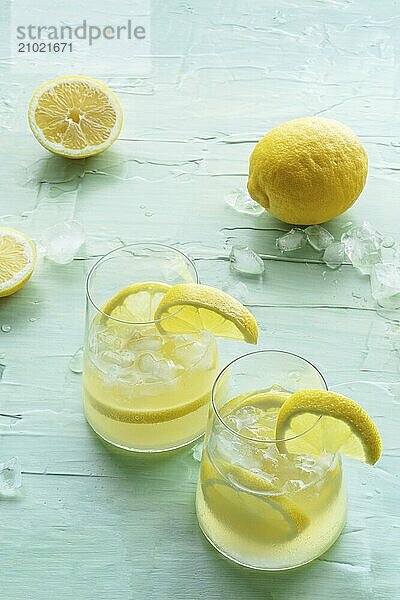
75 116
192 307
331 422
251 509
17 260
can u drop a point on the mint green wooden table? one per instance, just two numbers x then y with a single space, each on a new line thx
93 523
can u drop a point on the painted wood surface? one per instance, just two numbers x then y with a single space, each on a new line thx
94 523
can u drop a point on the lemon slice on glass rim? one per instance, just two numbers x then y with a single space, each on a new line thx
17 260
75 116
193 307
317 421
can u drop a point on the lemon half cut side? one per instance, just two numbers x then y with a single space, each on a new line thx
75 116
17 260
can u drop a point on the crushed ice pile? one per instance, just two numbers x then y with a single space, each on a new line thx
364 247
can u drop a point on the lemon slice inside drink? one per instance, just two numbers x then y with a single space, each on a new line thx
17 260
327 422
258 512
193 307
75 116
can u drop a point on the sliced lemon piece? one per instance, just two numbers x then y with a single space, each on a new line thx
132 306
251 509
75 116
17 260
333 423
193 308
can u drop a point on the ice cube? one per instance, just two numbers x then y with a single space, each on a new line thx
385 285
10 476
157 370
122 358
195 353
240 291
292 240
240 201
198 451
334 255
76 362
62 241
363 247
318 237
245 261
150 343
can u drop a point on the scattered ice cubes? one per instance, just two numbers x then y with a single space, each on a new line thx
363 247
62 241
385 285
334 255
292 240
318 237
239 290
245 261
240 201
198 451
10 476
76 362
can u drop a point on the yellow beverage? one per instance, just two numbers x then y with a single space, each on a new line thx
146 391
260 507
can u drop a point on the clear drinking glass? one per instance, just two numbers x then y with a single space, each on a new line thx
143 390
258 506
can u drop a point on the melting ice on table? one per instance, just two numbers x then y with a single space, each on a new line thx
318 237
62 241
240 201
385 285
334 255
76 362
245 261
292 240
363 246
10 476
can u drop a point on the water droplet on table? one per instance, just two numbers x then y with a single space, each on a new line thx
240 291
76 362
6 328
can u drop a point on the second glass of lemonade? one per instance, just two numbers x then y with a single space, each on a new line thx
144 390
257 503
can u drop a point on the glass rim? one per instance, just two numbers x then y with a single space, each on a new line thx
258 440
103 258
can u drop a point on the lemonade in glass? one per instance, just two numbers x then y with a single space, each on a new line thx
150 354
143 390
276 503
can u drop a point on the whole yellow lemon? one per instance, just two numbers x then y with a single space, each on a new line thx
307 171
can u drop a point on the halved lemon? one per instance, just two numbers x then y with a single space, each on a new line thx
17 260
75 116
331 422
192 307
251 509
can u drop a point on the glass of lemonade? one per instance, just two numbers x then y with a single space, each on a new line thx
261 507
144 390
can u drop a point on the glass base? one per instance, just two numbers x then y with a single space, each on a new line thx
248 566
145 450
